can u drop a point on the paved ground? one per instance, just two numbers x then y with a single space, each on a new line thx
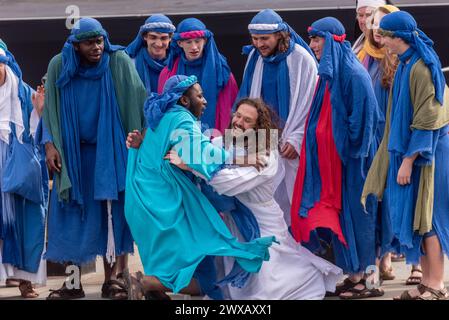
92 283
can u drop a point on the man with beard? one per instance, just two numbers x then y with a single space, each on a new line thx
93 98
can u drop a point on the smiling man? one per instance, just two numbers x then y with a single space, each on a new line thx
338 148
94 97
282 71
194 52
150 49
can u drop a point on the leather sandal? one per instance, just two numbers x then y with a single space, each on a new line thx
405 295
65 293
441 294
27 291
114 290
363 293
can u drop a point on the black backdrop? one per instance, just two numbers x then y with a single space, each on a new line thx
35 42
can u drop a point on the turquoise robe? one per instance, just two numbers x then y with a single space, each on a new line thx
172 222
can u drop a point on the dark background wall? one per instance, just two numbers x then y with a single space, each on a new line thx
35 42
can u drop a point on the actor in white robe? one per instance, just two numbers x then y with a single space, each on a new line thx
303 76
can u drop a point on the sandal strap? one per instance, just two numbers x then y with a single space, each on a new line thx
416 270
441 294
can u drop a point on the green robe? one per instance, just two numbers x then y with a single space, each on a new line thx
131 95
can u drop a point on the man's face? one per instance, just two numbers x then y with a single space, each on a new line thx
266 44
317 45
363 14
394 45
195 101
91 50
376 21
157 44
193 48
244 118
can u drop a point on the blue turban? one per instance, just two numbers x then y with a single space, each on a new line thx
215 72
155 23
402 25
338 65
157 105
84 29
268 21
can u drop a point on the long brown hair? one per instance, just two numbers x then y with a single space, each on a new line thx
267 120
390 61
284 41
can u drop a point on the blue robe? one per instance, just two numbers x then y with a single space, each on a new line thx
23 240
431 145
384 231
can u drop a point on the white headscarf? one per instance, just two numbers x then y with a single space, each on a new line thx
10 106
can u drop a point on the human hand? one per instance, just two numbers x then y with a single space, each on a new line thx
176 160
134 139
405 172
38 100
288 151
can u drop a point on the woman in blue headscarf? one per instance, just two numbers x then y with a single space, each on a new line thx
194 52
23 181
150 49
339 145
410 172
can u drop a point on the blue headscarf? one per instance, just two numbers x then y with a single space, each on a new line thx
109 177
266 22
337 66
138 49
402 25
158 104
84 29
215 69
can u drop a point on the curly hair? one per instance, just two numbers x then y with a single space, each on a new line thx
267 120
284 41
390 62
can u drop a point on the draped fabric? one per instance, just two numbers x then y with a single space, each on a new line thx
346 114
185 218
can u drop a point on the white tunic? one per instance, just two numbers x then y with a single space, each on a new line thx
292 272
303 75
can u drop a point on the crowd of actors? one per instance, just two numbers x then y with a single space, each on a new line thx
359 170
